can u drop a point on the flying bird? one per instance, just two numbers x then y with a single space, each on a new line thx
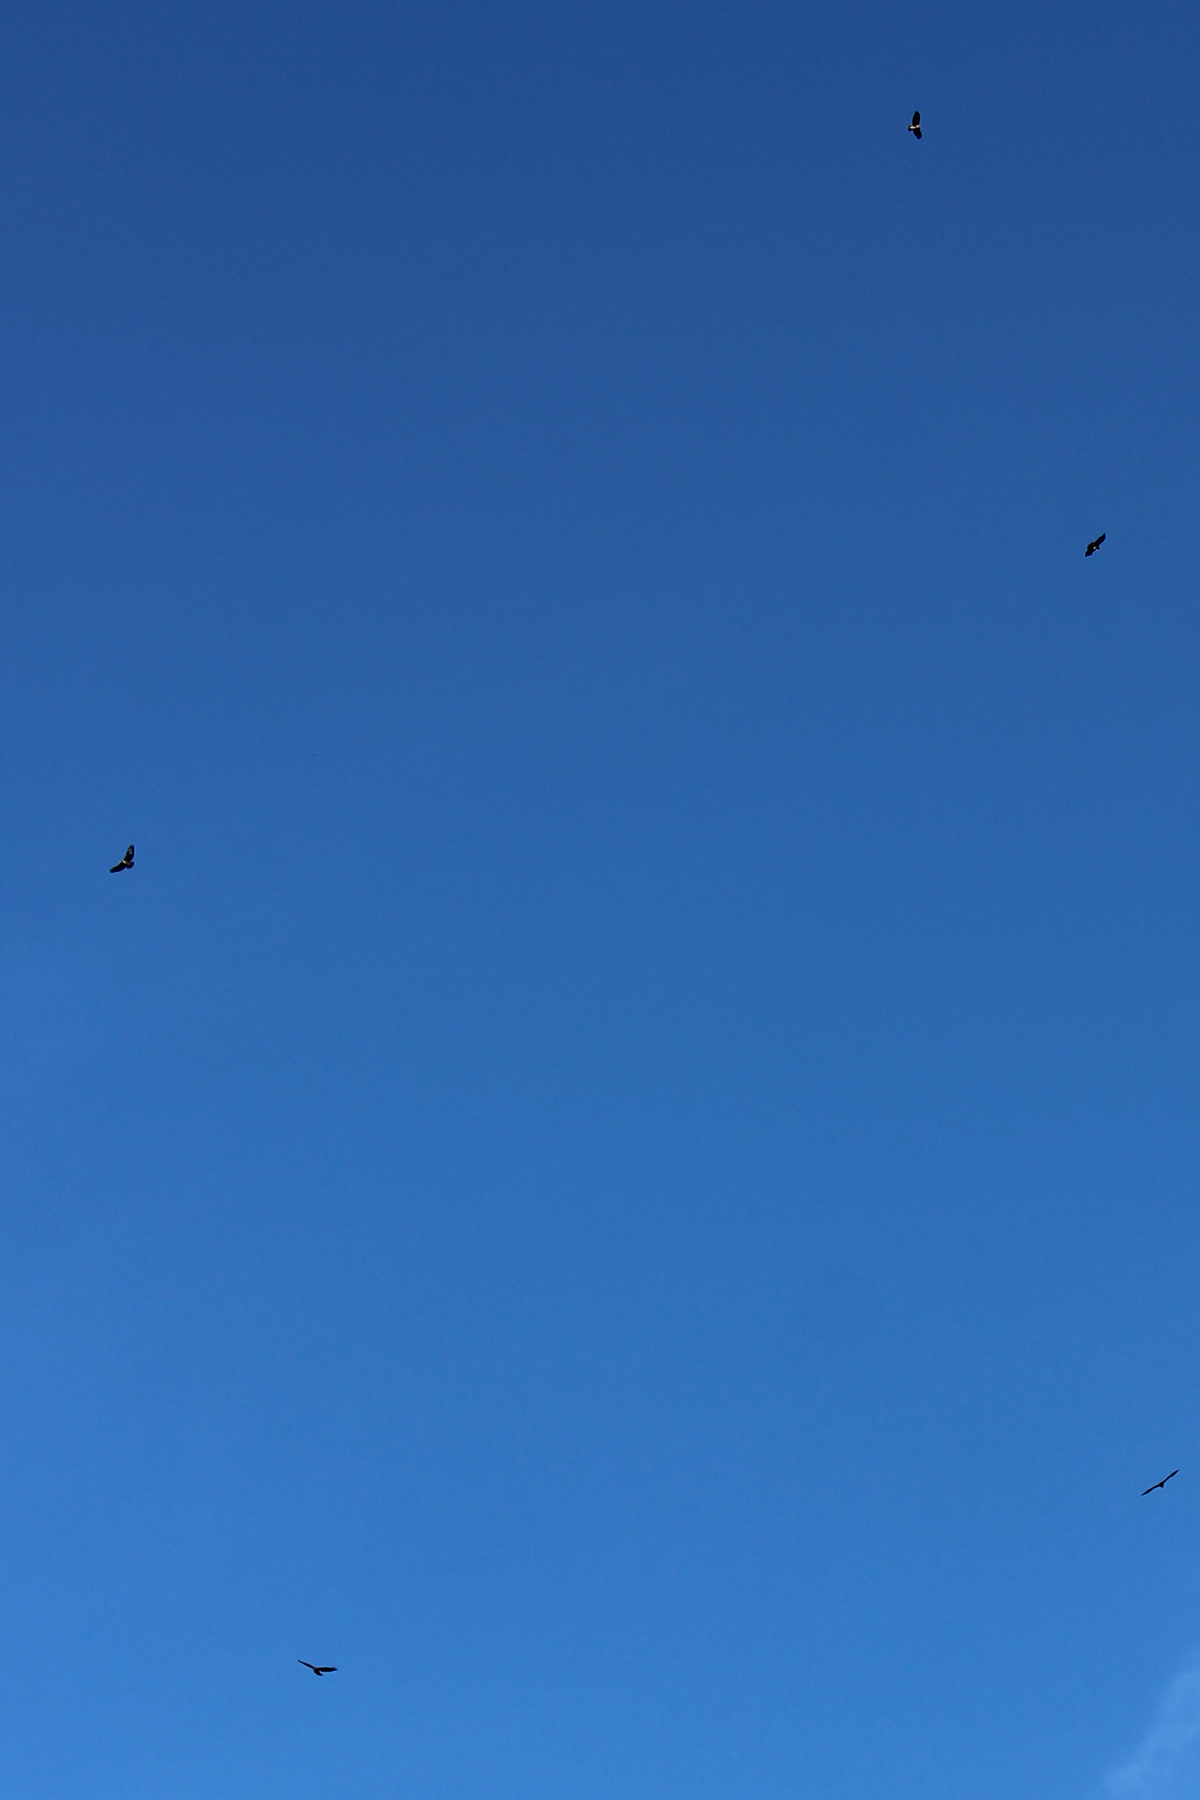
915 127
1095 544
325 1669
126 862
1158 1484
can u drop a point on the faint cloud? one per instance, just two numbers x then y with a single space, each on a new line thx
1167 1766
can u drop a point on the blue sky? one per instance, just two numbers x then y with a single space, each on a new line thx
623 1168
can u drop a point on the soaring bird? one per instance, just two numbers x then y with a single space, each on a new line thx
326 1669
126 862
1095 544
915 127
1158 1484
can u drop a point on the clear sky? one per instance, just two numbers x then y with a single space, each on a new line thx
624 1165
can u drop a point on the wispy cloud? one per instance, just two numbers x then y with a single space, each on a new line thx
1167 1765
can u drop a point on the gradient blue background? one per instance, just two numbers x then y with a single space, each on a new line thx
624 1168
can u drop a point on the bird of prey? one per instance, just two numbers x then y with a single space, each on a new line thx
126 862
325 1669
1158 1484
915 127
1095 544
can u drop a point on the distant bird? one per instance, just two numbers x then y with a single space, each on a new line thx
1158 1484
326 1669
915 127
126 862
1095 544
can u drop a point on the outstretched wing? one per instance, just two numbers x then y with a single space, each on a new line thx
305 1665
328 1669
916 120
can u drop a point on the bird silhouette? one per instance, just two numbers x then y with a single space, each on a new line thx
1158 1484
915 127
325 1669
1095 544
126 862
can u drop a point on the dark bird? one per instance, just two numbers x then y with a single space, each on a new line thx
1095 544
915 127
126 862
1158 1484
326 1669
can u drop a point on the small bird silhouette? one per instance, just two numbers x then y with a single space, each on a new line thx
1158 1484
915 127
325 1669
126 862
1095 544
